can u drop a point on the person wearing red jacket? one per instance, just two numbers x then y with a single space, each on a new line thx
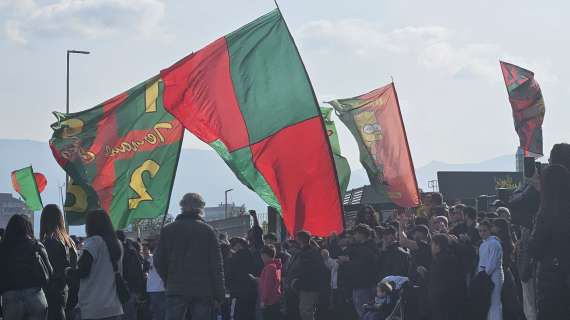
270 284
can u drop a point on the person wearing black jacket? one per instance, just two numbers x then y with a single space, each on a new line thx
21 273
362 261
307 275
550 244
238 280
447 290
133 274
394 260
62 254
189 261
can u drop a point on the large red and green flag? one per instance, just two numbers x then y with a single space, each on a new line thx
249 97
340 162
375 121
527 105
120 155
29 185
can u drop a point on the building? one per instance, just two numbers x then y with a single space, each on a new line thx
219 212
468 186
10 206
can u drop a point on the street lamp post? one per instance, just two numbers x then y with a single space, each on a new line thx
67 109
226 202
67 82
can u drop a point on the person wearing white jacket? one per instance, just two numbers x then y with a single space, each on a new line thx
491 261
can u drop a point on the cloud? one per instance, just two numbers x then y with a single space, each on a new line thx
435 48
85 18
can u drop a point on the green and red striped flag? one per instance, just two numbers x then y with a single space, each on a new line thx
249 97
25 182
120 155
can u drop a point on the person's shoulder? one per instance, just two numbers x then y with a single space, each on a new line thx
93 241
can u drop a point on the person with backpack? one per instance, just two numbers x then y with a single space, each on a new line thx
24 270
61 252
100 289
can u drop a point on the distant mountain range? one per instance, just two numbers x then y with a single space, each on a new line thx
200 171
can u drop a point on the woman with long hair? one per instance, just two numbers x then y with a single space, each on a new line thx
550 243
101 255
62 256
21 273
367 215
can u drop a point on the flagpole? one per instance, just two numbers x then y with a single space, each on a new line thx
173 179
320 116
406 138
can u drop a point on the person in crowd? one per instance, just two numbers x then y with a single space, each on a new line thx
24 270
447 290
512 307
550 239
394 260
99 261
189 261
436 206
362 261
440 224
384 303
419 246
270 284
154 286
457 224
306 274
242 288
471 223
491 262
255 242
281 254
367 215
291 296
132 273
62 256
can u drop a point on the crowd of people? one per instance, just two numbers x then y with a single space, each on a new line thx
442 261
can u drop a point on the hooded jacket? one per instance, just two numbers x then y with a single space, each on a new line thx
270 282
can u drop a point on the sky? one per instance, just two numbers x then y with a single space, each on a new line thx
442 54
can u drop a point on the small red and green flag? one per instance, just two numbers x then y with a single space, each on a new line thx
340 162
527 105
249 97
375 121
29 185
120 155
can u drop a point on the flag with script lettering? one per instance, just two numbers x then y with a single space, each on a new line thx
120 155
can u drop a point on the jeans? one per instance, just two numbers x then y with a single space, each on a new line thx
130 308
177 307
529 298
272 312
29 304
361 296
307 304
57 300
157 305
496 309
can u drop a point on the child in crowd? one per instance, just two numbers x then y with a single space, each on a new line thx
384 303
270 284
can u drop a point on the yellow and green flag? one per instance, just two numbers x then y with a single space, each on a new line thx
121 156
